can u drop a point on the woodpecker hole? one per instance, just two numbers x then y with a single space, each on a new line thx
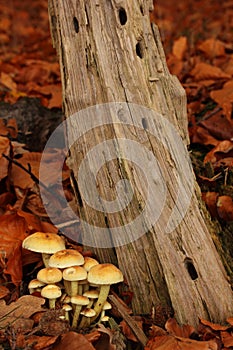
191 269
139 50
76 24
122 16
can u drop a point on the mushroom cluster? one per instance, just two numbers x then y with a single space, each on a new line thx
79 285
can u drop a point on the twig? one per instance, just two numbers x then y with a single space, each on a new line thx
137 331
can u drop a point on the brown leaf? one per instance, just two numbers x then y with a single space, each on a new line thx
212 47
3 292
205 71
4 148
219 126
7 81
37 342
179 47
73 341
203 137
224 98
227 339
222 150
225 208
181 331
210 199
174 343
126 330
18 313
213 326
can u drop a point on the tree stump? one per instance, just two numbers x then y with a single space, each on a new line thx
111 54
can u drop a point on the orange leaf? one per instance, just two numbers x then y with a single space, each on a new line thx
222 150
73 341
213 326
181 331
210 199
4 148
179 47
227 339
224 98
204 71
7 81
225 208
175 343
212 47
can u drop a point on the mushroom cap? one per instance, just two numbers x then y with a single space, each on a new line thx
104 274
49 275
79 300
106 306
88 312
91 294
89 263
66 258
51 291
35 283
74 273
66 307
42 242
105 318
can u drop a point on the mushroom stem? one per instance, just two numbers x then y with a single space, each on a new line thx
85 322
73 288
52 303
45 258
104 291
76 315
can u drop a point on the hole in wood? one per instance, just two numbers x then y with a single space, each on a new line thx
142 10
139 50
76 24
191 269
122 16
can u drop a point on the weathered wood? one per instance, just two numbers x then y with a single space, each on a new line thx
109 52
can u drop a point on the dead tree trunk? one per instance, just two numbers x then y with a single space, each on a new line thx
109 53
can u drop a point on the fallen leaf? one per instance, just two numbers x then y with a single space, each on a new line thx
222 150
18 313
37 342
224 98
225 208
73 341
3 292
213 326
179 47
4 148
212 47
210 199
202 136
204 71
219 127
227 339
181 331
7 81
176 343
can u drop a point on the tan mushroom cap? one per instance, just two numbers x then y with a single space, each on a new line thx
79 300
107 306
88 312
91 294
51 291
42 242
89 263
49 275
35 283
66 307
74 273
104 274
66 258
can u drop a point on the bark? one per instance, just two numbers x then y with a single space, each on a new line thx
110 52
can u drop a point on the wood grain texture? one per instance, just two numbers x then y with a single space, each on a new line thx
102 61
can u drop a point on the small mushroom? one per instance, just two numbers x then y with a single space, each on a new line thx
74 274
67 309
86 319
92 295
104 275
51 292
44 243
78 301
49 275
66 258
35 285
106 306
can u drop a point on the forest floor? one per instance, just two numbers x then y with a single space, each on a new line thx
197 38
